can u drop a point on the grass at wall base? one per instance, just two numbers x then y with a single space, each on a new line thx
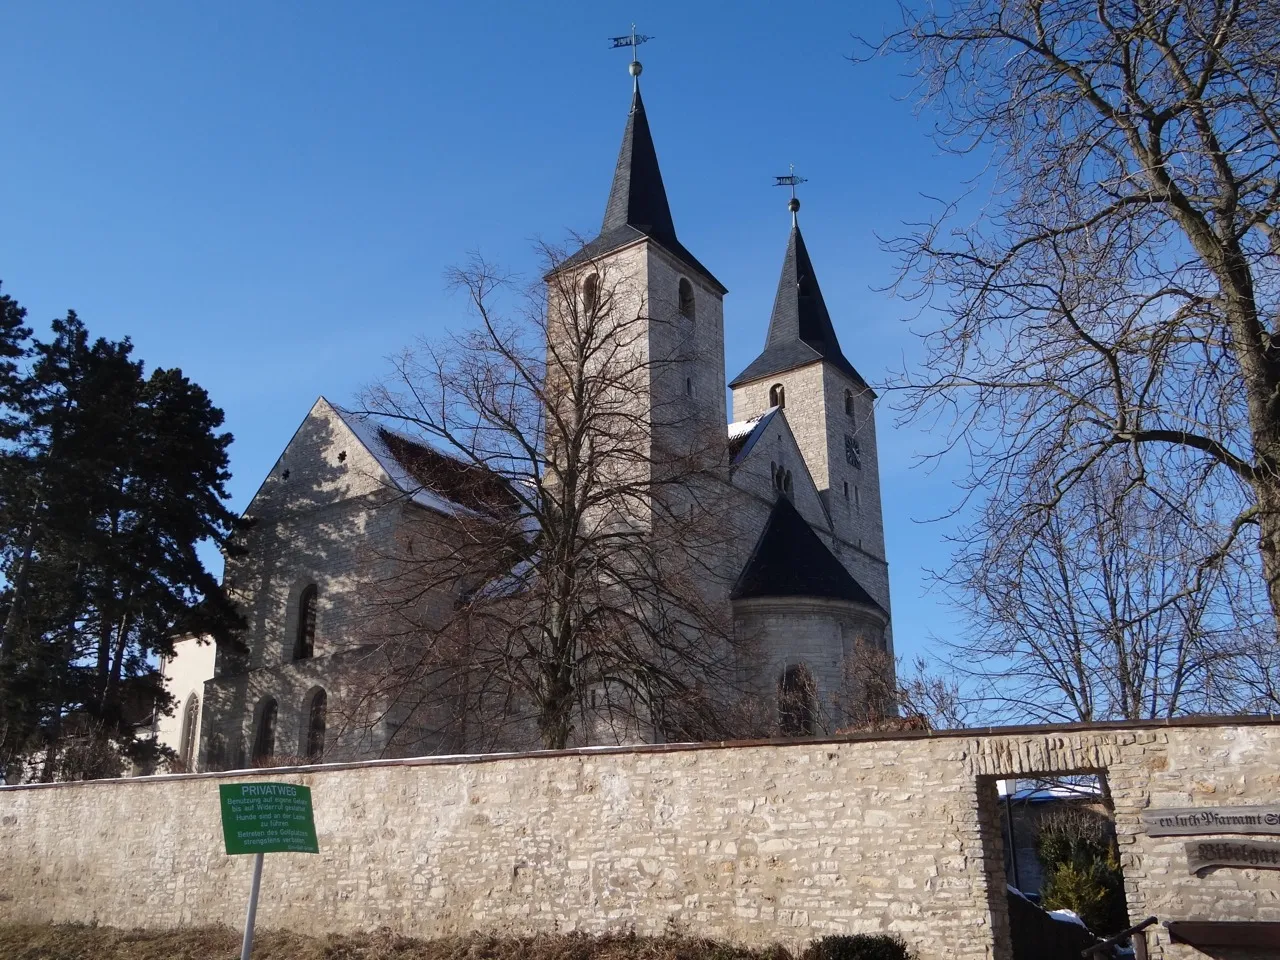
79 942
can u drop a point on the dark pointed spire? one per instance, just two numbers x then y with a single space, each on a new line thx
638 198
637 206
800 330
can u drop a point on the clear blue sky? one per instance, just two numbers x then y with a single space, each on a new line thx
267 195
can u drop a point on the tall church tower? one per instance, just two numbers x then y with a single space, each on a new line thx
652 276
829 408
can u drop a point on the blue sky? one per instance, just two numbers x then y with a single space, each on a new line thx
267 195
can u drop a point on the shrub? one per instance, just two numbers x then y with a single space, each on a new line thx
859 946
1082 870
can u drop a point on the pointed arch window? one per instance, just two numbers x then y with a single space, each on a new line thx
591 292
190 733
797 707
317 708
304 644
781 478
777 395
686 298
264 738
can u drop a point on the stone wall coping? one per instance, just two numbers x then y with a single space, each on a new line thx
1051 729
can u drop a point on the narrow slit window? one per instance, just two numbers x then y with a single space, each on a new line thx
190 733
264 740
315 726
304 645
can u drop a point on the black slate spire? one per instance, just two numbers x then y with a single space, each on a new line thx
638 198
800 330
637 206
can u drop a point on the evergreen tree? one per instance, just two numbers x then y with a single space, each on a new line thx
118 477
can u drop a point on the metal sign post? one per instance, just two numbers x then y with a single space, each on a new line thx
261 818
246 946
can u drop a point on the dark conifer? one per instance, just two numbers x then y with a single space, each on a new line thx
117 478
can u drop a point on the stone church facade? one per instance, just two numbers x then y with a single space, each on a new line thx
809 574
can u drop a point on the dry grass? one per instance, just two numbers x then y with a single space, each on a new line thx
71 942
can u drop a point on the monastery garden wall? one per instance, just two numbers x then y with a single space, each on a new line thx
778 841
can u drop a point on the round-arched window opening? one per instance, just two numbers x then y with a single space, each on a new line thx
777 395
686 298
797 702
591 292
848 403
304 643
264 738
316 715
190 733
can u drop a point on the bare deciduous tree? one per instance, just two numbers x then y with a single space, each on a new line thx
876 693
1116 299
572 594
1100 610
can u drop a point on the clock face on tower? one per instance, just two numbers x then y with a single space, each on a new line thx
852 452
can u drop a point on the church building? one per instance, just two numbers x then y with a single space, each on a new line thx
799 462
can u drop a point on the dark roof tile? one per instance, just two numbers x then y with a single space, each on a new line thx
790 560
800 329
638 207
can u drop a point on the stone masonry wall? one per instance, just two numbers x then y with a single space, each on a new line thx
754 842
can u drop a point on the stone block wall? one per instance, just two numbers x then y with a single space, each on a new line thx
755 843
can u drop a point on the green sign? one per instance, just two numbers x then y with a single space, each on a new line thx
267 818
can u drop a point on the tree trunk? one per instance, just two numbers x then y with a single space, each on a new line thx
21 582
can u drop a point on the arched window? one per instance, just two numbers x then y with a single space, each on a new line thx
264 738
304 645
313 747
686 298
796 702
777 396
590 292
848 403
190 733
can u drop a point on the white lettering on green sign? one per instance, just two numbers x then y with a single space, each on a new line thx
267 818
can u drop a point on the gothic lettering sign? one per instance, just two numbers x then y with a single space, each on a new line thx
1202 854
267 818
1196 821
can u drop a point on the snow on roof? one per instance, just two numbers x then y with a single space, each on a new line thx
743 434
1022 791
370 433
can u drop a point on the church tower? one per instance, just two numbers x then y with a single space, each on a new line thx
653 277
828 406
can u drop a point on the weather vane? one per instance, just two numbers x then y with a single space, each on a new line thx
792 181
631 40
